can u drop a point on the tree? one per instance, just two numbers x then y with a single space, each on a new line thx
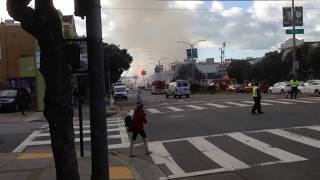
239 70
44 23
312 60
185 72
117 60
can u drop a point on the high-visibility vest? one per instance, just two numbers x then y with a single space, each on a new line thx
293 83
255 91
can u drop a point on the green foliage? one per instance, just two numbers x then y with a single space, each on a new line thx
116 60
185 72
239 70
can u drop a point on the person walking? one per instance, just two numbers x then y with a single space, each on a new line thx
139 97
22 99
256 94
294 87
139 119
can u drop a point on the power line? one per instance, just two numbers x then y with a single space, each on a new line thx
198 9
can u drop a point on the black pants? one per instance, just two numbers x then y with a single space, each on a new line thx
257 105
294 91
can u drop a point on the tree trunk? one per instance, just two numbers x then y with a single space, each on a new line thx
44 23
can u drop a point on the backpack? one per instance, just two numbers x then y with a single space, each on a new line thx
128 123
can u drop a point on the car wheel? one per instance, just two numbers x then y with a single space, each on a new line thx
175 96
180 96
187 95
167 96
317 92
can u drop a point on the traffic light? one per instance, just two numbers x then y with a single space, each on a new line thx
81 8
72 55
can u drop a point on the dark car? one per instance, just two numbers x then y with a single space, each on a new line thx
8 100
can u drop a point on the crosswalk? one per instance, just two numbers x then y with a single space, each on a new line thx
226 104
117 135
215 154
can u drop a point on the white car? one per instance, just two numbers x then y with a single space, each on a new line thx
280 87
178 88
311 86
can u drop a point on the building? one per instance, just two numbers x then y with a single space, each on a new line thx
20 58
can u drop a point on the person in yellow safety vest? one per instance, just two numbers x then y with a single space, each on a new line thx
294 87
256 94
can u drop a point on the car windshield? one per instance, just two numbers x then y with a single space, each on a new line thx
185 84
8 93
120 89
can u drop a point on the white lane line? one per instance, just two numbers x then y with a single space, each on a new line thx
262 103
217 155
216 105
316 128
153 110
296 137
22 146
311 99
301 101
280 154
197 173
195 107
174 108
277 101
124 135
238 104
161 156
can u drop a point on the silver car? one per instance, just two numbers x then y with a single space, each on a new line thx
311 86
280 87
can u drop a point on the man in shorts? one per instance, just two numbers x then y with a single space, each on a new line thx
139 119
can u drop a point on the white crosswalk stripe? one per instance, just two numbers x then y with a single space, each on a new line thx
216 105
311 99
227 162
277 101
174 108
153 110
297 100
113 125
262 103
238 104
196 107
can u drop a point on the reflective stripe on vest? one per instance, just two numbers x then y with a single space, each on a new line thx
255 91
293 83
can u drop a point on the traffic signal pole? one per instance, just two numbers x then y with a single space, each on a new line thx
294 61
99 144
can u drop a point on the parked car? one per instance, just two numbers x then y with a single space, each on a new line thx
280 87
311 86
8 101
238 88
263 86
178 88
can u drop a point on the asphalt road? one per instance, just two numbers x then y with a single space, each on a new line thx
216 136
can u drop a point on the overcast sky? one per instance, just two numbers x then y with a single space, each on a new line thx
151 28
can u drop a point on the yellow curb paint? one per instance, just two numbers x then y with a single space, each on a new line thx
120 173
28 156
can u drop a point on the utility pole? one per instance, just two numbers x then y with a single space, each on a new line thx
99 139
294 61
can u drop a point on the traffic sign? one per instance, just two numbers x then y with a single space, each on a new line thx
296 31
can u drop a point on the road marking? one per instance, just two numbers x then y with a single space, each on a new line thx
174 108
316 128
311 99
161 156
238 104
216 105
280 154
153 110
295 137
120 173
196 107
28 156
262 103
21 147
277 101
225 160
301 101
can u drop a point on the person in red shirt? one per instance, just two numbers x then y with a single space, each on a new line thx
139 119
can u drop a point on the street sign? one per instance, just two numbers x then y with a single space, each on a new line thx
288 18
194 53
296 31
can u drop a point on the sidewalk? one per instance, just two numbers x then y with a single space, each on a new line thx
38 163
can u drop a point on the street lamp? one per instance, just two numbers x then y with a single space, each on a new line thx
191 47
159 60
